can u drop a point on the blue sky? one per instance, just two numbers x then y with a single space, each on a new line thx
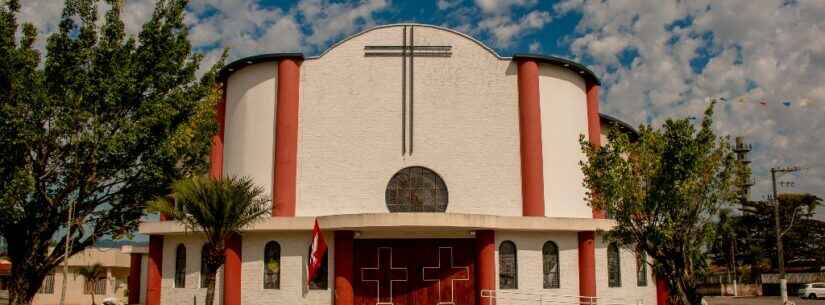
657 59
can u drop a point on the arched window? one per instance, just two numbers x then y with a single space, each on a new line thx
204 271
416 189
641 269
180 266
614 266
508 266
272 265
550 256
320 280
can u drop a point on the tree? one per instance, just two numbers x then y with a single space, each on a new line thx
218 209
92 276
663 191
104 124
800 231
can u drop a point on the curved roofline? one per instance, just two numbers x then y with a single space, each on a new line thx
579 68
576 67
250 60
620 123
342 41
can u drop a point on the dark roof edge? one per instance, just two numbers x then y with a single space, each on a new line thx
243 62
620 123
578 68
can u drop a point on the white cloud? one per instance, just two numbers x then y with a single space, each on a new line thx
447 4
330 20
245 26
504 29
534 47
778 47
501 7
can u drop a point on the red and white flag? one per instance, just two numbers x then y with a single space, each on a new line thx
316 253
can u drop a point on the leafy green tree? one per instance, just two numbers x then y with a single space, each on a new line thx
104 124
218 209
801 233
664 190
91 274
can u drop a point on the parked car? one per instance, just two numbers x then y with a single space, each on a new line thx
812 291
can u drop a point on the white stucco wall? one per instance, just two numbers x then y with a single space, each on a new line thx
250 123
629 292
465 126
293 290
191 293
563 119
530 265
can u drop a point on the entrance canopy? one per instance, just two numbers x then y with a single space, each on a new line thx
400 221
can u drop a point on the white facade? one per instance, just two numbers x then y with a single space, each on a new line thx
465 126
350 143
191 293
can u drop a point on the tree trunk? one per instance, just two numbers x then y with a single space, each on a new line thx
24 283
93 291
214 261
210 287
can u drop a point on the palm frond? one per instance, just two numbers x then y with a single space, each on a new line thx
216 207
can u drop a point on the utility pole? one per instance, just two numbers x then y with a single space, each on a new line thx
783 282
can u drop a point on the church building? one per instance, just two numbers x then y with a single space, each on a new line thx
439 172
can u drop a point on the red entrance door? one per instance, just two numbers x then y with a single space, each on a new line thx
414 272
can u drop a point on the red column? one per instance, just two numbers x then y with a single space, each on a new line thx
485 264
594 128
662 292
532 176
344 294
232 271
286 138
587 265
216 154
134 278
154 270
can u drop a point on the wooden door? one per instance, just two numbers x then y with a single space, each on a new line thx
414 272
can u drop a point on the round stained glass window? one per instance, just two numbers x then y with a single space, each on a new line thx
416 189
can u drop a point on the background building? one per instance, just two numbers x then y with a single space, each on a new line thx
113 283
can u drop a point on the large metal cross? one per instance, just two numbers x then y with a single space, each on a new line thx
408 53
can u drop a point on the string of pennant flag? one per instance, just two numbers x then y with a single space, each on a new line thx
765 103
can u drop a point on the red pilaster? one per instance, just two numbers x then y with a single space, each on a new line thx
532 176
662 292
232 271
587 265
216 154
155 268
134 278
485 264
594 128
286 138
344 294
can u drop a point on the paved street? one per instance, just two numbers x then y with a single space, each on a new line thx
759 301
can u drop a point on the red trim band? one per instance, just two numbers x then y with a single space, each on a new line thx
232 271
485 263
587 265
134 277
344 270
286 138
216 154
154 270
594 128
532 170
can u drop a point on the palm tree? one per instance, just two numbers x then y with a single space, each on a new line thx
217 208
92 275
